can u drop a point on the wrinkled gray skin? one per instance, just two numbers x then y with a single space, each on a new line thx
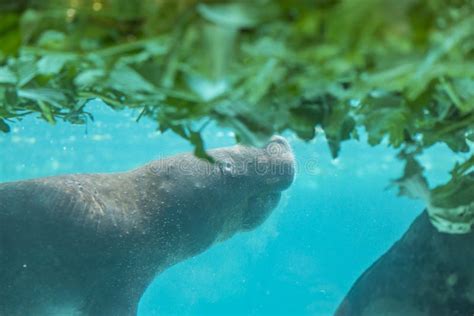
426 273
90 244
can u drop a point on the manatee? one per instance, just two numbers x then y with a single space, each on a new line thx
90 244
426 273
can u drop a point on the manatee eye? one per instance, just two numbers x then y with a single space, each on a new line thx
226 167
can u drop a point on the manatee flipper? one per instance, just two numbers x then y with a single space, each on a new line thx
117 296
426 273
111 302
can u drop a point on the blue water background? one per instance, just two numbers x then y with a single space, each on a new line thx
332 224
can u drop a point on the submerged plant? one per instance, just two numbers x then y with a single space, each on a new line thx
401 70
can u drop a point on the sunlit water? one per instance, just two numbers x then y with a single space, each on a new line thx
336 219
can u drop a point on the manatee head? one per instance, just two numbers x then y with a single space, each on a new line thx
256 176
237 192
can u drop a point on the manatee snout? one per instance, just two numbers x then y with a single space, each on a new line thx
275 171
277 166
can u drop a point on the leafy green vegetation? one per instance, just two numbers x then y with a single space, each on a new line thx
402 70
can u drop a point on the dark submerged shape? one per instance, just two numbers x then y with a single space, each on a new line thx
426 273
90 244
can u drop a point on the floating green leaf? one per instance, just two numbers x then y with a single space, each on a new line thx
401 70
4 126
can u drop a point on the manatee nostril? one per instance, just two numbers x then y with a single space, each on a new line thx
277 146
280 140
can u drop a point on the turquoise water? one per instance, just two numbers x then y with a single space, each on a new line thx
336 219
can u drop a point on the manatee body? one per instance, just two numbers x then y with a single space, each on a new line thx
426 273
90 244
